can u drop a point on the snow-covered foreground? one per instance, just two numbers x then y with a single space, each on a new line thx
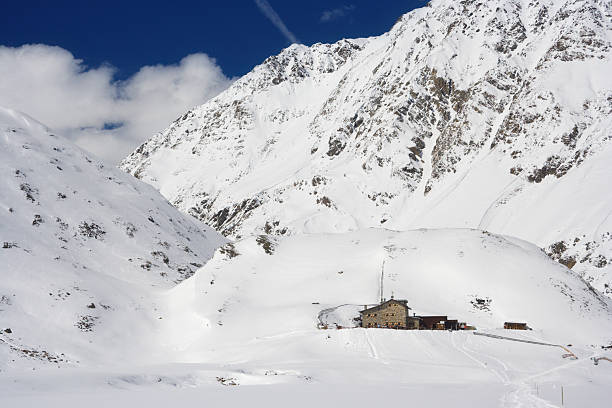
354 367
243 330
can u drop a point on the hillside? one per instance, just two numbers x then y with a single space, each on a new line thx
82 249
492 115
243 330
265 286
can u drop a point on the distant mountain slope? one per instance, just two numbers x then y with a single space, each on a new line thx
493 115
82 247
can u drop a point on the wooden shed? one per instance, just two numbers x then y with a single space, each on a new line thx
451 324
433 322
515 326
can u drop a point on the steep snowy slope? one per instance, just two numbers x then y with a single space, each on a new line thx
491 115
82 247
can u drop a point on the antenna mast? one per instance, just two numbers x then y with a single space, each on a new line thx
382 275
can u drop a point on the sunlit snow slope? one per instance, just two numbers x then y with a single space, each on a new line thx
266 286
483 114
82 247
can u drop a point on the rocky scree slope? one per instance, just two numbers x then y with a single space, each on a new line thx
492 115
82 248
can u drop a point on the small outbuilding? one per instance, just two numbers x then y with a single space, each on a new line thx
433 322
451 324
515 326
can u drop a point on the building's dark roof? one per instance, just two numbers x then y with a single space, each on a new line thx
383 304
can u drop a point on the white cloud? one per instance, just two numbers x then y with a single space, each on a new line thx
85 103
329 15
269 12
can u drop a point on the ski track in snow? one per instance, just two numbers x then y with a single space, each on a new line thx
372 349
519 393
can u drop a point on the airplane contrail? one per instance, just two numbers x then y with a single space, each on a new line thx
275 19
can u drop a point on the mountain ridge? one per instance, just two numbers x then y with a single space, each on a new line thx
464 103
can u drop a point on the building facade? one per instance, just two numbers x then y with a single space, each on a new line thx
392 314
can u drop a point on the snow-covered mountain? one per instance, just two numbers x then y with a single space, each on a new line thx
82 248
492 115
432 163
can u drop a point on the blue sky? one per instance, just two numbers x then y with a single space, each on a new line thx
130 34
109 74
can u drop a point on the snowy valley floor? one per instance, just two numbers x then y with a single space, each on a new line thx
355 367
243 330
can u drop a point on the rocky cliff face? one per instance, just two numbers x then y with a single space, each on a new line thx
492 115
